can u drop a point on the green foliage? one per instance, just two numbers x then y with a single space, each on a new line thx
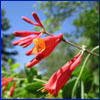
14 66
32 87
31 73
67 89
29 81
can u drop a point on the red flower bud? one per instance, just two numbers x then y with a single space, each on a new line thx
29 21
25 33
5 81
12 89
37 19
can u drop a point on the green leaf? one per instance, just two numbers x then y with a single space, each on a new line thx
31 73
67 89
32 87
9 62
29 78
86 77
13 67
78 90
2 69
19 92
13 75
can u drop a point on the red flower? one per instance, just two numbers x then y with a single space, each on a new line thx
36 19
12 89
60 77
24 42
4 82
43 48
25 33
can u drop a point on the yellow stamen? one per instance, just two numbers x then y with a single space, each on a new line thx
43 90
39 45
49 96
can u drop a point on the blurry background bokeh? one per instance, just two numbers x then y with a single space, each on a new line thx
79 23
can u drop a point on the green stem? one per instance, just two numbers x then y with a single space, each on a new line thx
75 85
82 90
35 79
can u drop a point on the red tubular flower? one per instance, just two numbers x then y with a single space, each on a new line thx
5 81
25 33
60 77
12 89
24 42
36 19
43 48
29 21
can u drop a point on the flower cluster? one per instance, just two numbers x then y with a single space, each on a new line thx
4 83
43 48
26 41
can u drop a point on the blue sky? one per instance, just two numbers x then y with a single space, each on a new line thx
13 12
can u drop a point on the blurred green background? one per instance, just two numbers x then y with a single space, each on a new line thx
79 23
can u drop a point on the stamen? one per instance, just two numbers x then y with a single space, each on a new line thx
43 90
49 96
39 45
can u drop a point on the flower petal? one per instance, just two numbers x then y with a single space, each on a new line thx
24 33
29 21
37 19
32 63
25 45
12 89
29 52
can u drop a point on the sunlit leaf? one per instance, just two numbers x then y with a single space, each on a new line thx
13 67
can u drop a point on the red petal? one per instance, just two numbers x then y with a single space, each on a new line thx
32 63
12 89
27 44
25 41
29 52
37 19
75 63
2 79
6 81
29 21
18 41
24 33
